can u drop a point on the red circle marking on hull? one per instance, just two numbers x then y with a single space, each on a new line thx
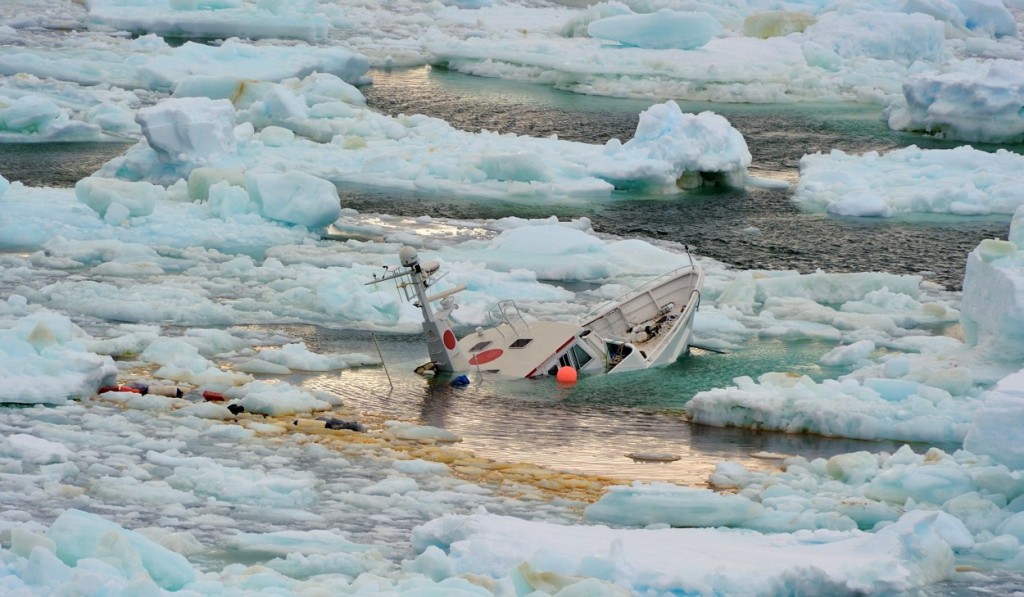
449 340
486 356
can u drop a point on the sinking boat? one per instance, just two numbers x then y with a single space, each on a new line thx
649 326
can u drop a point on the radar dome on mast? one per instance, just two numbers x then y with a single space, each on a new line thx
408 256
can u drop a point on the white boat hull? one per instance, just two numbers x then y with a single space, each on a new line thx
654 322
649 326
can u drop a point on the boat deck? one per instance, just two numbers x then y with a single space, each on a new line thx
517 351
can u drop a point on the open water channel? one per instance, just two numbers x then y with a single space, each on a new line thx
591 426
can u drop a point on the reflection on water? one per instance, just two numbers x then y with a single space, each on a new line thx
748 228
585 428
55 164
590 426
999 582
751 228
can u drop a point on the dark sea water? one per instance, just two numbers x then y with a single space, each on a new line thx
55 164
588 427
714 222
591 426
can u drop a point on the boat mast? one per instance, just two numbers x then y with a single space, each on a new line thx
442 345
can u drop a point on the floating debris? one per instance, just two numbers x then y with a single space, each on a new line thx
211 396
172 391
140 387
335 424
770 455
653 456
119 388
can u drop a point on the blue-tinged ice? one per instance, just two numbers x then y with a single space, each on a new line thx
44 361
662 29
663 503
80 537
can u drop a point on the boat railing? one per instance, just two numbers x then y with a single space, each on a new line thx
507 313
609 306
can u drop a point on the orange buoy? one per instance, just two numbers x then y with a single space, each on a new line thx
566 374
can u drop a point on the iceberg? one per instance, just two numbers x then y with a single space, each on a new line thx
974 100
992 313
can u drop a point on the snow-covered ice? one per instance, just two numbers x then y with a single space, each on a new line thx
961 181
973 100
913 390
312 126
946 67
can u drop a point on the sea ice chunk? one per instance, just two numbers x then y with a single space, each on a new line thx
658 30
641 505
295 197
995 431
100 194
992 310
971 100
80 535
189 129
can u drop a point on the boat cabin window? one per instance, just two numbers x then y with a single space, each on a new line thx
582 357
563 361
575 357
520 343
480 346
